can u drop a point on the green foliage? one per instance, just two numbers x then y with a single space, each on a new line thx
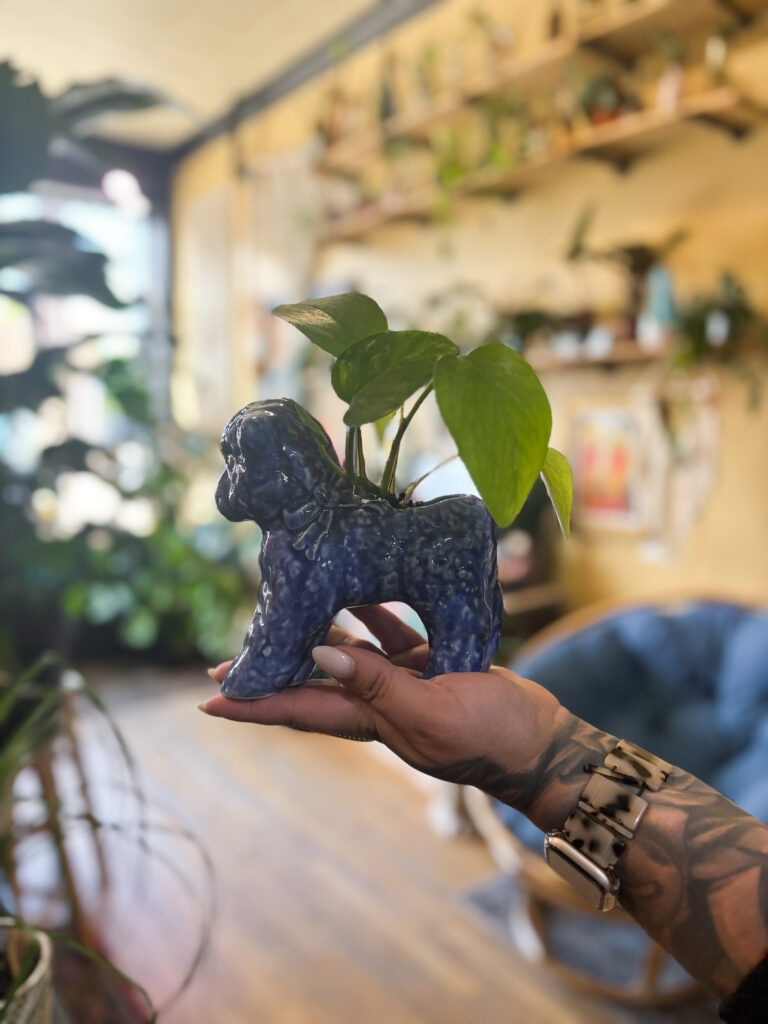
498 414
56 261
32 706
25 125
103 589
336 322
31 122
491 402
85 102
718 323
56 594
558 479
26 390
378 374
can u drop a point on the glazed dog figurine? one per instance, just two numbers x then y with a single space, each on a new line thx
326 548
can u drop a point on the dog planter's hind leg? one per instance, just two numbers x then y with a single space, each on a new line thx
324 548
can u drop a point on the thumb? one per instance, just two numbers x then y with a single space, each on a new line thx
389 690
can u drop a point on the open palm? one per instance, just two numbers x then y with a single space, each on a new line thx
452 726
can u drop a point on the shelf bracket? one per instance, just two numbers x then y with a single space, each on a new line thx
603 49
732 8
735 131
621 164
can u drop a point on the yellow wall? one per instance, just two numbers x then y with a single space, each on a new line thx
513 252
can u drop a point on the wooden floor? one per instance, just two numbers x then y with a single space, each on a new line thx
335 902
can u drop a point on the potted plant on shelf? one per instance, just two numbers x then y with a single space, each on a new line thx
333 537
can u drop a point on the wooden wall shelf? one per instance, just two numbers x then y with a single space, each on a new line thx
630 31
623 353
420 205
622 32
619 142
526 71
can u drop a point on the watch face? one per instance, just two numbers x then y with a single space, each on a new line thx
586 877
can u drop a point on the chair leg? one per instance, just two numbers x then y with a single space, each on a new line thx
525 925
652 968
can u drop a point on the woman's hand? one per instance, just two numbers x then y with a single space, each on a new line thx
487 729
695 876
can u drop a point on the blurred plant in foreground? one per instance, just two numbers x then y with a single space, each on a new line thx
127 574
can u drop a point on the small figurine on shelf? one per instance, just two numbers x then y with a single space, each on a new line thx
428 77
658 316
555 21
496 39
333 123
388 89
715 56
603 99
669 88
588 8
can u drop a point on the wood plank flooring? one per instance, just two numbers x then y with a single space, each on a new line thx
336 904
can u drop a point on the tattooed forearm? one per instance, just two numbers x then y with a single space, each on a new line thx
696 878
696 874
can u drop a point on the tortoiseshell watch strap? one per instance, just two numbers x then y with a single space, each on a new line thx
609 810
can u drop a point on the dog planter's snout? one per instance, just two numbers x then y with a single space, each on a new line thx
325 548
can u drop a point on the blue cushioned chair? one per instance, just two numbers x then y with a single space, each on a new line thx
687 681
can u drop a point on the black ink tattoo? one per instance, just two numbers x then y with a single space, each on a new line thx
695 876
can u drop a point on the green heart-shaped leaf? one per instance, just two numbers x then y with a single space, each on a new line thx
499 416
558 479
336 322
376 375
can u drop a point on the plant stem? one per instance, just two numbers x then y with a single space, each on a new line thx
349 455
412 487
360 468
354 460
388 477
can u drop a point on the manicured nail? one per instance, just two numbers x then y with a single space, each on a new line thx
333 661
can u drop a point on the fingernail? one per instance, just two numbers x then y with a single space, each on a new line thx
202 707
333 661
212 673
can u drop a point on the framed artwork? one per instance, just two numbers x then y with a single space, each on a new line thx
610 471
646 464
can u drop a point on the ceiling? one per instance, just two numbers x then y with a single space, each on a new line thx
205 54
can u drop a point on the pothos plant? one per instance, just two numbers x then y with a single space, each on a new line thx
490 400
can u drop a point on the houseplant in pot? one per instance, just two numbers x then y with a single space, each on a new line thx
335 538
26 975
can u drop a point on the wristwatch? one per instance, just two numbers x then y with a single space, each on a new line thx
595 834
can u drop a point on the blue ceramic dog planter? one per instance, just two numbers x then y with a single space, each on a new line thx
326 548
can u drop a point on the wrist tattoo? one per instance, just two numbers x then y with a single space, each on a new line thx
695 876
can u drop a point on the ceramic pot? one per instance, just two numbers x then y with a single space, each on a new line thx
326 546
32 1003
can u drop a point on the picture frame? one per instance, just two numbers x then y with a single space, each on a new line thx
611 460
